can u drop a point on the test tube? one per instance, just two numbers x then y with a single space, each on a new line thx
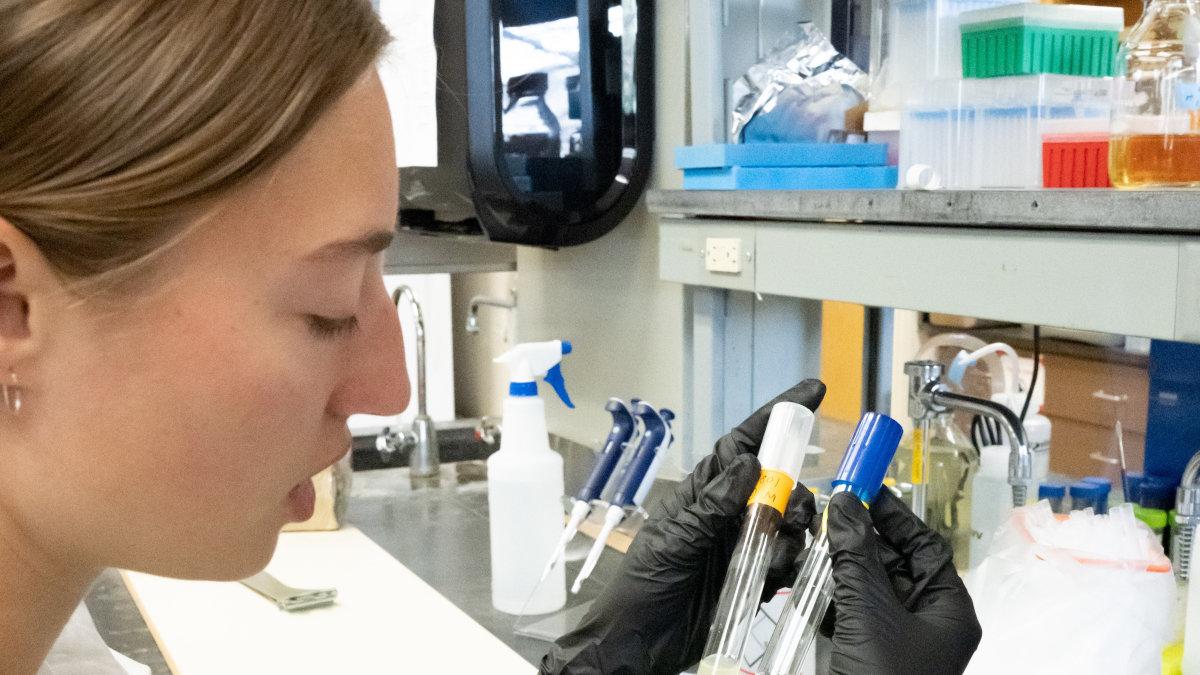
861 473
781 456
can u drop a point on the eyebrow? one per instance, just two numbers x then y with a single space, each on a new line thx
368 244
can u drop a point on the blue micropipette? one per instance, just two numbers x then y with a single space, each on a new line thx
643 490
655 439
606 461
618 473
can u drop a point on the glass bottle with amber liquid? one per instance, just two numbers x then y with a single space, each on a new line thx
1156 119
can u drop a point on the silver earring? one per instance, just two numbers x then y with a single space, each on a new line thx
12 393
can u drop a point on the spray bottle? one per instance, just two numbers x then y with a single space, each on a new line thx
525 485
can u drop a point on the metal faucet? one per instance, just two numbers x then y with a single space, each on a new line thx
929 397
477 301
421 440
1187 517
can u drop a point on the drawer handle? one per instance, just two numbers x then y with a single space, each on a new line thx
1111 398
1100 457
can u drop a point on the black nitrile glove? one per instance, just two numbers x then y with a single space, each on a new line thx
654 617
900 607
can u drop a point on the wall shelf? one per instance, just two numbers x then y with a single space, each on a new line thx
1099 260
416 253
1151 211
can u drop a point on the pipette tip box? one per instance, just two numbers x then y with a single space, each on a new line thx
722 155
785 166
1032 38
1075 161
791 178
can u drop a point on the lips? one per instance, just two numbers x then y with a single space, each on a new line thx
301 499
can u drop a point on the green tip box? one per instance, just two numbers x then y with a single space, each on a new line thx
1035 39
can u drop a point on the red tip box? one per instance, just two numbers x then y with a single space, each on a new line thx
1075 161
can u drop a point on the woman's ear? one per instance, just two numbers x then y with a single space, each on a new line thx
26 284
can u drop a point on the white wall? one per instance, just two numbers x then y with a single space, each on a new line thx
480 385
433 293
605 297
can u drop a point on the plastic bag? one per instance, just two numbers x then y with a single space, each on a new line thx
804 91
1086 594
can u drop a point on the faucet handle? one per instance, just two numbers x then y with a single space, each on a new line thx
927 371
391 441
487 429
922 376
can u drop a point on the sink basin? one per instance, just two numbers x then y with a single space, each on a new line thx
455 444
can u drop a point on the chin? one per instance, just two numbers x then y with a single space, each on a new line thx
229 560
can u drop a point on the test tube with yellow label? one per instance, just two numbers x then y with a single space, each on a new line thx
781 455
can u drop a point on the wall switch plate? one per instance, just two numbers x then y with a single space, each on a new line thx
723 255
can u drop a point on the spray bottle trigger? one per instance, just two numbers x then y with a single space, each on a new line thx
554 378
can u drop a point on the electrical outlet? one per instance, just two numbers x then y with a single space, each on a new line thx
723 255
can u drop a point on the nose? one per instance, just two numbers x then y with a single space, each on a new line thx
377 380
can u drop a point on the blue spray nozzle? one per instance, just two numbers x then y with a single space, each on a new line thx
868 455
526 362
668 415
554 378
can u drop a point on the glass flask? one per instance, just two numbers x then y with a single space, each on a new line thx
953 463
1156 117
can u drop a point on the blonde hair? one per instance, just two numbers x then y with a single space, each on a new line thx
120 118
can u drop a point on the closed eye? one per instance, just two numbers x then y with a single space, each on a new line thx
327 328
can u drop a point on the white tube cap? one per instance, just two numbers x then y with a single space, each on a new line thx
786 439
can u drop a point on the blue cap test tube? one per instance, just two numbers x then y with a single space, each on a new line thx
861 473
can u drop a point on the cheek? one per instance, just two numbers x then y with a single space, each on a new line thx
251 404
211 418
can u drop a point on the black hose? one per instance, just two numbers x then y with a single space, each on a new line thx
1037 359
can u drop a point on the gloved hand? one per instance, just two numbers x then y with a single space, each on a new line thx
654 617
898 604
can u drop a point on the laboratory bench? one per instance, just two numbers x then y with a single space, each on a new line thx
437 528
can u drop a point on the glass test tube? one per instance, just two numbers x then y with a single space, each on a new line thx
803 613
781 456
861 473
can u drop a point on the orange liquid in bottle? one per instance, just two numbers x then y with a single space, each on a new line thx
1166 160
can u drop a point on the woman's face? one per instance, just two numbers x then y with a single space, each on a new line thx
176 431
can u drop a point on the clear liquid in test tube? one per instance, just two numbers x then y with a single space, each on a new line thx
781 456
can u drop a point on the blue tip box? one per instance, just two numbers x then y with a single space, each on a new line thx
786 166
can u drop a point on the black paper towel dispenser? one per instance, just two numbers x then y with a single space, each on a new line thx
560 97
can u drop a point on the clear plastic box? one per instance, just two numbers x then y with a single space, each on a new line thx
977 134
914 41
